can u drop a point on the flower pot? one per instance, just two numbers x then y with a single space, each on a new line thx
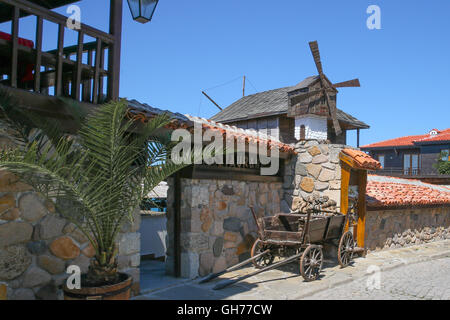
118 291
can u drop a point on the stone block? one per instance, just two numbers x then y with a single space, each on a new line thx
23 294
51 226
130 243
232 224
320 159
11 183
305 158
326 175
14 261
307 184
10 215
319 186
314 169
64 248
32 207
314 151
219 265
218 246
190 263
7 202
36 277
15 232
51 264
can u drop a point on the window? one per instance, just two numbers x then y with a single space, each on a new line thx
445 154
302 132
381 160
411 164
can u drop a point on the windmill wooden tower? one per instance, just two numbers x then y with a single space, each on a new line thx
313 102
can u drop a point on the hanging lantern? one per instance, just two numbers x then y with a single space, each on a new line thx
142 10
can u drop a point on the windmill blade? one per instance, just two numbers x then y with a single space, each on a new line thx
314 46
306 95
332 108
349 83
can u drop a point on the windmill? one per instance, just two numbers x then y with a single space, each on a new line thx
317 95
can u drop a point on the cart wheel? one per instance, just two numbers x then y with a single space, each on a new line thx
345 249
263 261
311 262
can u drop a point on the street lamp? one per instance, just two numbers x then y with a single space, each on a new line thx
142 10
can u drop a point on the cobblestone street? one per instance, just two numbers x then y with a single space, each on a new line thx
417 272
425 280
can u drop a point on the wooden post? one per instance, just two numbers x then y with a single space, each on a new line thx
15 46
76 77
115 29
37 63
361 226
357 138
59 62
96 82
345 182
243 88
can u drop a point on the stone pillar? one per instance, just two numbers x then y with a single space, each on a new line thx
315 169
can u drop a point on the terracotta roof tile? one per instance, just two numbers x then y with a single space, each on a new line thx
396 192
410 140
248 135
363 160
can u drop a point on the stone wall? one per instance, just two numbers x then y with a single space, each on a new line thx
217 227
315 169
388 229
37 244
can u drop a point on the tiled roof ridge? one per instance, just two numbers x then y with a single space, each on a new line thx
363 160
408 140
247 133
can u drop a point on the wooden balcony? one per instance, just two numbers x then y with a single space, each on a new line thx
78 72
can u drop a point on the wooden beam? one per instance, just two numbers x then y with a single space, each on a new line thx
115 29
210 99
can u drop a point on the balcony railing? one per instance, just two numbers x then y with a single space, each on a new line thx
405 172
54 72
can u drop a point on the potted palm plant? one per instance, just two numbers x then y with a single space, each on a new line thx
95 179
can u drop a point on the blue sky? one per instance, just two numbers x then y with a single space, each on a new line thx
191 46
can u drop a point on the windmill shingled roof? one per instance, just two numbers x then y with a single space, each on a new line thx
272 102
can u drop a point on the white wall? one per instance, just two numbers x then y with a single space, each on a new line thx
315 127
153 234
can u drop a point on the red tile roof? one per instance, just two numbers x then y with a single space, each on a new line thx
248 135
363 160
384 192
410 140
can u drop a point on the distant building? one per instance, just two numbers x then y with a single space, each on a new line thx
412 156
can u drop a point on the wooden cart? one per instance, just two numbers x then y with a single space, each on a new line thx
295 237
302 235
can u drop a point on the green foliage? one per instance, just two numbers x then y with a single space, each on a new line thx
443 167
97 178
